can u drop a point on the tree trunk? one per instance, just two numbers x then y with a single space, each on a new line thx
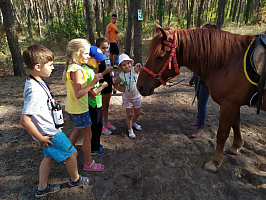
239 11
103 14
29 18
12 38
160 12
89 21
170 12
220 19
96 9
137 32
247 11
232 8
58 12
200 13
130 8
190 13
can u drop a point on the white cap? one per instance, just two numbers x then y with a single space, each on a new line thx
124 57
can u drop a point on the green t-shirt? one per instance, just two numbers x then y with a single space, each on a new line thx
97 101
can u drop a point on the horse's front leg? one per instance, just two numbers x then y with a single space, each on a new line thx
238 142
228 116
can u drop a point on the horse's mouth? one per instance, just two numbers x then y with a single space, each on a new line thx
146 91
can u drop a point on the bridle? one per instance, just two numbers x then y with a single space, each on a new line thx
172 57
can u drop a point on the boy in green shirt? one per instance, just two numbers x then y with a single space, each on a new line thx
95 99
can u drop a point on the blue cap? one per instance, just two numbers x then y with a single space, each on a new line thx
97 53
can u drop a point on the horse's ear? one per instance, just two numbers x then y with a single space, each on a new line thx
159 30
157 27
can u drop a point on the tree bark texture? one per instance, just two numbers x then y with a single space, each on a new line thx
89 21
12 38
129 28
221 9
137 32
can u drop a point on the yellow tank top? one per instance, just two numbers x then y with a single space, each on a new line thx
74 105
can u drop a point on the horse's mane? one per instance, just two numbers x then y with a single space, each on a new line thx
207 48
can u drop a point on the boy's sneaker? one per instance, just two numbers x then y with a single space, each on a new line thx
51 188
137 126
81 181
110 126
106 131
101 151
131 134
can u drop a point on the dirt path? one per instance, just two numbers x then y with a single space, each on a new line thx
161 163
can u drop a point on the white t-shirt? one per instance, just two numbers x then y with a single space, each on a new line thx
36 104
130 79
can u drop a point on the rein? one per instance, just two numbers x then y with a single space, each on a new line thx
172 57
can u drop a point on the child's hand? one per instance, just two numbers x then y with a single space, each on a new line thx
46 141
104 84
98 77
108 69
91 94
137 67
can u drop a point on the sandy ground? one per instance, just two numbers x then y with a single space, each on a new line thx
161 163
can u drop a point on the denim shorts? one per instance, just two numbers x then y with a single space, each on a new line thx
132 103
61 148
80 120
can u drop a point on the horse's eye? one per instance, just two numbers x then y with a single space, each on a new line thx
159 57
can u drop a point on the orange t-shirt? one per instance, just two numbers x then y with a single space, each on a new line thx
112 32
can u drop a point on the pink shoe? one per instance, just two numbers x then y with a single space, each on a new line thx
106 131
99 168
197 133
110 126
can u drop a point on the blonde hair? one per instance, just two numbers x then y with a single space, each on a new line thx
74 48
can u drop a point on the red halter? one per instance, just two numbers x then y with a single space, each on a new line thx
168 63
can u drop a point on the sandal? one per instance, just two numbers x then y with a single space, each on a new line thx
99 168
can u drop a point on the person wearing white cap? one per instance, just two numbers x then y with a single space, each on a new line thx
126 83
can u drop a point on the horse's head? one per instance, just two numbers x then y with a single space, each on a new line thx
152 75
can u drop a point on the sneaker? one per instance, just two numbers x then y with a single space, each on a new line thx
131 134
106 131
81 181
114 66
51 188
197 133
137 126
101 151
110 126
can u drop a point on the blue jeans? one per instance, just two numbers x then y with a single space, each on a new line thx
202 96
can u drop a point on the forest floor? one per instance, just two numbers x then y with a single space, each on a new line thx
161 163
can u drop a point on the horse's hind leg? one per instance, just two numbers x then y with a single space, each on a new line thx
228 115
238 142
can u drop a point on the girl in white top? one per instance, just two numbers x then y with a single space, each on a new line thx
126 83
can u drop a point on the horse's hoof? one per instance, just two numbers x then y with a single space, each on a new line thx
232 151
210 167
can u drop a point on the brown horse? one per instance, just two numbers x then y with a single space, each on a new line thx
217 57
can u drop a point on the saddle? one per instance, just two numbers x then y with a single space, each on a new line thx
255 69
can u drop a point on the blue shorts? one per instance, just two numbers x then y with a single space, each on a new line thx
61 149
80 120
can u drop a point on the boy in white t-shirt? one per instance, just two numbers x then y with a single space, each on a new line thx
37 119
126 83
